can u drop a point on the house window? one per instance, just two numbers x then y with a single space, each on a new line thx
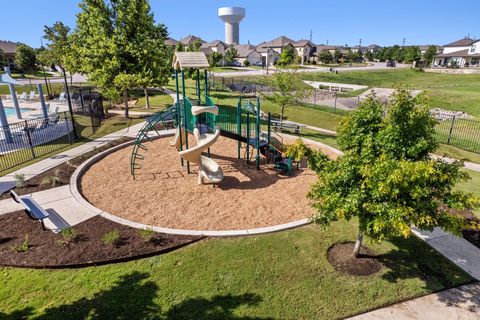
472 49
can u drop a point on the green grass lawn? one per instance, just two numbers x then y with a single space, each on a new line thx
472 185
284 275
158 100
225 69
447 91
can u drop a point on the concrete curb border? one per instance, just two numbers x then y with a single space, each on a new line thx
74 189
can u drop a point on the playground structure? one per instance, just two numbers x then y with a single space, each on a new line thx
205 121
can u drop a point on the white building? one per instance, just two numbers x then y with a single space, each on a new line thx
464 53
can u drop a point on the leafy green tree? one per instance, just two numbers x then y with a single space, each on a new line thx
412 54
337 55
369 55
231 55
325 57
179 47
195 46
117 41
215 58
287 56
26 58
288 89
386 177
430 54
3 58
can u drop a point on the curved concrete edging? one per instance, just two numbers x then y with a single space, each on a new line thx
75 180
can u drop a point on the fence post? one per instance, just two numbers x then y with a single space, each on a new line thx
29 139
451 130
68 129
335 104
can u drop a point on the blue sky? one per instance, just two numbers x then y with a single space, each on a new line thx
339 22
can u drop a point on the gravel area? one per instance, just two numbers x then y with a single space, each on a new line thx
164 195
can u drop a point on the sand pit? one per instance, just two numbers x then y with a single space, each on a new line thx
164 195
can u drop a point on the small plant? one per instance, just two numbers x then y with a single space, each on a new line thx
19 180
111 238
22 247
69 235
53 180
146 234
298 150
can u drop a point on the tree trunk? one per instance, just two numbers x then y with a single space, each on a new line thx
282 111
147 100
71 80
125 102
358 245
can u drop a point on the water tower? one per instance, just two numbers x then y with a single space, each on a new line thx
232 17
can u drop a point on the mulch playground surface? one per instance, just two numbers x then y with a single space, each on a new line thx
49 250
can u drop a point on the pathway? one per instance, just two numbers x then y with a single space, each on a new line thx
453 304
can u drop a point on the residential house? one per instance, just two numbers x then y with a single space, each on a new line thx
190 40
464 53
276 45
248 52
171 42
10 50
424 48
374 48
358 48
214 46
305 49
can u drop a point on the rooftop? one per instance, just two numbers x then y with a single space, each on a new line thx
8 47
461 43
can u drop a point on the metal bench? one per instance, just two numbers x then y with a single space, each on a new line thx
32 208
286 127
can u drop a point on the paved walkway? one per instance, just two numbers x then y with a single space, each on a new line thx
461 303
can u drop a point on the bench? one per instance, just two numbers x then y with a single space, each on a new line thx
32 208
286 127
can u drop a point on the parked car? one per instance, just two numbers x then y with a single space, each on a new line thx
391 64
259 64
236 64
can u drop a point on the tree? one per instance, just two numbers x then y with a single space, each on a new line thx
231 55
412 54
3 58
26 58
288 89
325 57
119 45
337 55
386 177
195 46
215 58
430 54
287 56
369 55
179 47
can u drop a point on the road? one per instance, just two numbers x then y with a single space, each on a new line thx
310 68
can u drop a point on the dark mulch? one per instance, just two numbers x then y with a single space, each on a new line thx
471 234
62 172
341 258
46 249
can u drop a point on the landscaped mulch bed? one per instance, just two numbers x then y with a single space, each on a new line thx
341 258
471 234
48 250
61 173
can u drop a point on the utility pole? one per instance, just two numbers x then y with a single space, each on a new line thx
311 33
403 45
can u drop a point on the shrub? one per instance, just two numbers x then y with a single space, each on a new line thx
111 238
146 234
53 180
297 150
22 247
19 180
69 235
246 63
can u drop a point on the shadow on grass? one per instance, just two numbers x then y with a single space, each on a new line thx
414 258
217 307
18 314
130 298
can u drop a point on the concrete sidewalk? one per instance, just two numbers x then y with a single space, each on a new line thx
8 181
461 303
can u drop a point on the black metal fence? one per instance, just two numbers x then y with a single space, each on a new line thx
237 85
26 140
459 132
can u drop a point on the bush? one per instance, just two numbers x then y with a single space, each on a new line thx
53 180
146 234
111 238
19 180
246 63
22 247
69 235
